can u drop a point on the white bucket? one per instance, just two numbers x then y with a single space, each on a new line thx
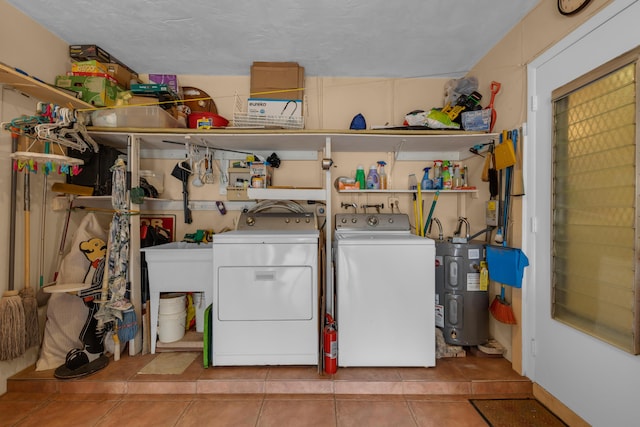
172 303
171 326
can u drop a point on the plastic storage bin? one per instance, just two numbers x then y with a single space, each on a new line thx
138 116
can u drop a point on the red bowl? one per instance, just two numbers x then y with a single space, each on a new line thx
205 120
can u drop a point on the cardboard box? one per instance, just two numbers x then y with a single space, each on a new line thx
88 52
274 107
168 79
91 66
122 74
275 80
98 91
260 174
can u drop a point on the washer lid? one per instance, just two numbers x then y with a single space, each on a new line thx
267 236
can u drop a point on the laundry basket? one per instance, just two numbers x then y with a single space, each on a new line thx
506 265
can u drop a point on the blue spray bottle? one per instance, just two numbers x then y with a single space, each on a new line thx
427 183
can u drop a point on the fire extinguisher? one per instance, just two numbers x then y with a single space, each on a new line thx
330 339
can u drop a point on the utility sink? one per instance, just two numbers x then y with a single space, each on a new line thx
178 267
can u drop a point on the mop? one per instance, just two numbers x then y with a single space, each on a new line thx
12 325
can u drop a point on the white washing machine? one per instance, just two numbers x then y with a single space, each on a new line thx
385 292
265 291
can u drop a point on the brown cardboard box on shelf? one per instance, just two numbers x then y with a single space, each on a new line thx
87 52
122 74
275 80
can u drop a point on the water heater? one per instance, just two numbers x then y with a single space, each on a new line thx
462 305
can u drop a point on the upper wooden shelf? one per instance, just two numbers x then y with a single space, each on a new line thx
38 89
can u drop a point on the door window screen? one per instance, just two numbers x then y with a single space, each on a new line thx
595 194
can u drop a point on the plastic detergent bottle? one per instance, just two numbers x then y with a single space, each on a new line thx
382 174
373 179
360 179
427 183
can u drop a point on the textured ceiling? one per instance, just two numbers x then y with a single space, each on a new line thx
341 38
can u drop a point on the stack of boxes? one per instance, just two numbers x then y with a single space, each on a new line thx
96 74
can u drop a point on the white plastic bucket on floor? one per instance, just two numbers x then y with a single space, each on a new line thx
171 326
172 303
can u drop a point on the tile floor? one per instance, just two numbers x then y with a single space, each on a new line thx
261 396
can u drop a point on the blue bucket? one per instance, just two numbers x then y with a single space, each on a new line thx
506 265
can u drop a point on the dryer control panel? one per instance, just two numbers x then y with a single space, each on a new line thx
372 223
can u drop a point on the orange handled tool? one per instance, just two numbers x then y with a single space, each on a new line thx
495 88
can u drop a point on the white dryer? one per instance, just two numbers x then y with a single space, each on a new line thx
385 292
265 291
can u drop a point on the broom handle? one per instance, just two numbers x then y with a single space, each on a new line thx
12 214
27 231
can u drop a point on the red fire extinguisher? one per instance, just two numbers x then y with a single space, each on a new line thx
330 339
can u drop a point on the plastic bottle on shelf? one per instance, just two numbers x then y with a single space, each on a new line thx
413 182
360 178
427 183
373 179
382 174
446 178
437 175
457 176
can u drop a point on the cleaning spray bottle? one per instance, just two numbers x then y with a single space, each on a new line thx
373 179
446 176
382 174
427 183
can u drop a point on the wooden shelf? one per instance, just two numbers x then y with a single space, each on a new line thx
39 89
474 190
407 145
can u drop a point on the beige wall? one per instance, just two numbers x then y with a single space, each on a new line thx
507 63
25 45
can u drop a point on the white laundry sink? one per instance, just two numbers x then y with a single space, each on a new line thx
178 267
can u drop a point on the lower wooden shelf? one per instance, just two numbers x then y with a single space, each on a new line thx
192 341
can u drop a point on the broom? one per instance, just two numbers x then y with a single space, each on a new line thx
501 310
12 327
29 302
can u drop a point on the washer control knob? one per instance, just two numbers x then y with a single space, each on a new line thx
372 221
297 220
287 220
307 220
344 220
390 220
354 220
251 221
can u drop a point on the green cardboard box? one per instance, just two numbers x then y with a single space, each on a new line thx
98 91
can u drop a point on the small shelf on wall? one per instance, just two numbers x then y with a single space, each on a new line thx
39 89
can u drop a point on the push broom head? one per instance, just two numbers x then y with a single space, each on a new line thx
501 310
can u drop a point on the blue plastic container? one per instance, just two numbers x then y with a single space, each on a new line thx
506 265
